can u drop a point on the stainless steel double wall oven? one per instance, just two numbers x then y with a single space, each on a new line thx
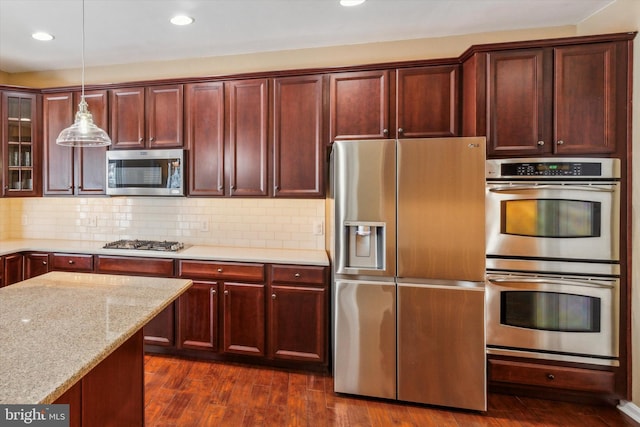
553 266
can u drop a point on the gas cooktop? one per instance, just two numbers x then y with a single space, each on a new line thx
149 245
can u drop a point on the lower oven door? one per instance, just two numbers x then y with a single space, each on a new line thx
551 314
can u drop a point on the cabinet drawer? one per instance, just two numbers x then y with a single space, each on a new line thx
551 376
221 271
298 274
134 265
71 262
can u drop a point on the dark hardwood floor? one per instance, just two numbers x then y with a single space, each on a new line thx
188 393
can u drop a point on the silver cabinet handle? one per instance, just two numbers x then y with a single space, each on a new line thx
560 142
385 131
297 275
152 139
44 262
400 130
141 140
226 292
219 270
273 296
213 291
71 261
541 143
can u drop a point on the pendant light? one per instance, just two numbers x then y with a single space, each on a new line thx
83 132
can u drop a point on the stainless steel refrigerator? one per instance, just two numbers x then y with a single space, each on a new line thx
408 256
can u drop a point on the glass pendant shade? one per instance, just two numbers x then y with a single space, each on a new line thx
83 132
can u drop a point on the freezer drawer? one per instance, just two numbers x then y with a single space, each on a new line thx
441 345
365 338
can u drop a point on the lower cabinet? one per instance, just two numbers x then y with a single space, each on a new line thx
160 331
243 318
561 378
298 307
13 269
35 264
198 317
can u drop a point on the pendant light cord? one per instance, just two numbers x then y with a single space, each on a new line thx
83 50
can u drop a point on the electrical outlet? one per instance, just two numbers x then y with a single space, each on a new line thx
92 221
318 228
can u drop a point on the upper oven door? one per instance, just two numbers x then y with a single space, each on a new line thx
553 220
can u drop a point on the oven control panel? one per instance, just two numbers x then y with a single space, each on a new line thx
600 168
551 169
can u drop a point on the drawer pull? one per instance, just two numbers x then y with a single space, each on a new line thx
71 261
44 262
213 291
226 292
273 296
297 275
219 270
551 377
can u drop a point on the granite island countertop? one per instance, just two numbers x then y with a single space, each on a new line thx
198 252
56 327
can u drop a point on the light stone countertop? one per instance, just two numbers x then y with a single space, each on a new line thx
199 252
56 327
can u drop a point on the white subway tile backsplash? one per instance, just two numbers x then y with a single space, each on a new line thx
271 223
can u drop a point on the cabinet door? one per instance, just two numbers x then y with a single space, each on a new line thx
248 143
90 164
127 118
160 330
298 137
198 317
20 144
13 269
164 106
518 105
359 105
204 103
58 160
428 102
243 319
585 99
35 264
298 323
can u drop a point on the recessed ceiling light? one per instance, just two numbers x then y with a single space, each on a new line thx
351 2
42 36
181 20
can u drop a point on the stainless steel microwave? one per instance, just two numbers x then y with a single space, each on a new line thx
145 172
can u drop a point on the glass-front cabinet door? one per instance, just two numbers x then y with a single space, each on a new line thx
19 147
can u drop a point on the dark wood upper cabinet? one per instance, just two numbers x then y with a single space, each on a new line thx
298 136
204 115
587 98
68 170
247 126
149 117
359 105
556 100
428 102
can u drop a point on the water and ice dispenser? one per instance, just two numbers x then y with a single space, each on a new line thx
365 245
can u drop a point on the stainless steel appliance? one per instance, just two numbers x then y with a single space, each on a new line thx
554 208
146 245
145 172
553 269
408 269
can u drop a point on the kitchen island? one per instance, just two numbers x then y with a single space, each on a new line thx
58 329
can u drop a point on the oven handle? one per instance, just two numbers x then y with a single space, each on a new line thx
595 188
552 281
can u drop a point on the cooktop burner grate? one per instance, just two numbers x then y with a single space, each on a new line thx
149 245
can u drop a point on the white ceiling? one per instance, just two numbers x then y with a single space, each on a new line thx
131 31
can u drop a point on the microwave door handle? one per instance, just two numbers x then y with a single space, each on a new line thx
512 188
529 280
